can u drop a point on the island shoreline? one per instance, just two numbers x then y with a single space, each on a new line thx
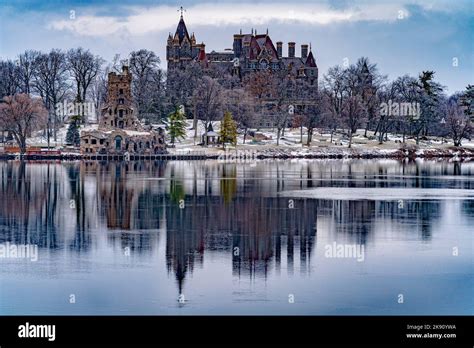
236 155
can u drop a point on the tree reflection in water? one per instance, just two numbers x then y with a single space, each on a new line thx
209 206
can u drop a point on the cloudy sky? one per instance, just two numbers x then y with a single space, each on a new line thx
401 36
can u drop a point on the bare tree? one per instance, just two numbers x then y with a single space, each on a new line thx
208 102
317 115
334 89
242 107
20 115
385 121
51 83
407 90
98 91
272 92
458 123
353 114
144 65
369 82
9 78
26 65
223 75
84 68
180 87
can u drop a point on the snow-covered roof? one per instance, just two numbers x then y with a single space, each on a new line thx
212 134
135 133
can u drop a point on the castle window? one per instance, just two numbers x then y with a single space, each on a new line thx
86 141
118 142
120 113
101 141
121 91
93 141
121 101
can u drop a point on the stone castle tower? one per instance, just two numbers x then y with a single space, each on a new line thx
119 112
181 48
119 131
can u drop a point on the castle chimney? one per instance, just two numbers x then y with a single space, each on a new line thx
304 51
280 49
238 44
291 49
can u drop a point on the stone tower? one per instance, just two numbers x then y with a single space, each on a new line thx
119 111
181 48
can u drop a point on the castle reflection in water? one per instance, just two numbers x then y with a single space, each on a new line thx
208 206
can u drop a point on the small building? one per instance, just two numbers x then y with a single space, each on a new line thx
119 130
212 137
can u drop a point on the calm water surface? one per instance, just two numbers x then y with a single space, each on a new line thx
238 238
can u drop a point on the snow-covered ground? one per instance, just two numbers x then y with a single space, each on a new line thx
265 142
321 140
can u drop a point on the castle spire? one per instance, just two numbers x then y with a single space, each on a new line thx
181 9
181 30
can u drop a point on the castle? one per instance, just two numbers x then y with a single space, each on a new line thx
250 53
119 130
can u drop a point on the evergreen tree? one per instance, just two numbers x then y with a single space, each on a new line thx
72 135
466 102
176 125
228 129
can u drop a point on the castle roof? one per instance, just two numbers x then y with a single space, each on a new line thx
181 30
310 61
257 44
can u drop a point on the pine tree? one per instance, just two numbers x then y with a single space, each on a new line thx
72 135
466 102
176 125
228 129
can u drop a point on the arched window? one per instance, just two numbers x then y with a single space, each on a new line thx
118 142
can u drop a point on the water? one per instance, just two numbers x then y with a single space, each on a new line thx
204 237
